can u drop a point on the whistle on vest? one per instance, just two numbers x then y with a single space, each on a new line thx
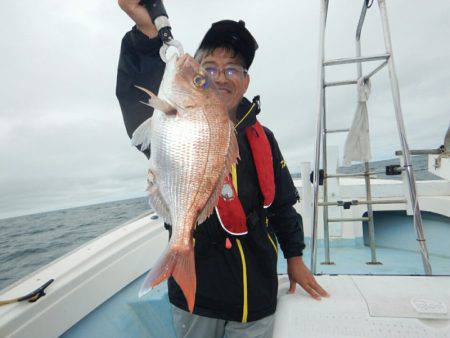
229 210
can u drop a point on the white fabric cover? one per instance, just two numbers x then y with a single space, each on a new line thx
357 144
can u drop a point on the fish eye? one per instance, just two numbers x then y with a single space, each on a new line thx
199 81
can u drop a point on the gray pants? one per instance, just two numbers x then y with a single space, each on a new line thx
189 325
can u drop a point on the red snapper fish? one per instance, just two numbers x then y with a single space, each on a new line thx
193 146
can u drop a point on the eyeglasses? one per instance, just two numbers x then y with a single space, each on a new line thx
230 72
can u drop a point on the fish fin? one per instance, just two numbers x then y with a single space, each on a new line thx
181 266
212 200
233 150
157 103
184 275
232 156
156 200
160 271
141 136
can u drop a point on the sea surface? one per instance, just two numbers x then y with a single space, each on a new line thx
32 241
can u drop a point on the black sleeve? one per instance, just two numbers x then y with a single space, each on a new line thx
283 218
139 64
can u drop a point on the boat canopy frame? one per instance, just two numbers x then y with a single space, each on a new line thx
320 175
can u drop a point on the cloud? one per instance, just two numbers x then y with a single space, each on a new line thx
62 139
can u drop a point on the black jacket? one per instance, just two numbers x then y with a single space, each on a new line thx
238 284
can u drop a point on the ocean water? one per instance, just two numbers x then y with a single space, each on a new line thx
30 242
419 164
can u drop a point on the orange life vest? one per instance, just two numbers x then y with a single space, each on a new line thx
229 209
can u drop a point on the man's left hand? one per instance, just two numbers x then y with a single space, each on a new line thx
299 274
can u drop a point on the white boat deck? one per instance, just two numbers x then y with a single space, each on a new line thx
95 289
367 306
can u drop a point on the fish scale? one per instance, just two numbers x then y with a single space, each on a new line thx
193 146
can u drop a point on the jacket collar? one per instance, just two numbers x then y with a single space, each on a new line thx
246 113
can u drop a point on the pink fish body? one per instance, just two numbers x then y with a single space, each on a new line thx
193 146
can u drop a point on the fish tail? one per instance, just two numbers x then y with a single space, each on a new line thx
177 263
160 271
184 275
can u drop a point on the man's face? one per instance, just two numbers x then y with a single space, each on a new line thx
234 84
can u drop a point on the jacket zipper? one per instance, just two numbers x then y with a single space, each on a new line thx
273 241
241 252
244 282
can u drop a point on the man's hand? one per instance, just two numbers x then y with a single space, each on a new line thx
299 274
140 16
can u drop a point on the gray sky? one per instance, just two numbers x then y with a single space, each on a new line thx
62 139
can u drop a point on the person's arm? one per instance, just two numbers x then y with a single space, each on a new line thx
139 64
140 16
288 226
283 218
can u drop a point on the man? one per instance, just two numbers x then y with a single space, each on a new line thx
236 273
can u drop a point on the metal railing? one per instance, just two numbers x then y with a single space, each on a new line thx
321 140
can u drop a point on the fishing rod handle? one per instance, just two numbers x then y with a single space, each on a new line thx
159 17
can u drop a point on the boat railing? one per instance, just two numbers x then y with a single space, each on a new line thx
405 169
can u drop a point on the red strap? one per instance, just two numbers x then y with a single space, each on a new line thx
262 157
